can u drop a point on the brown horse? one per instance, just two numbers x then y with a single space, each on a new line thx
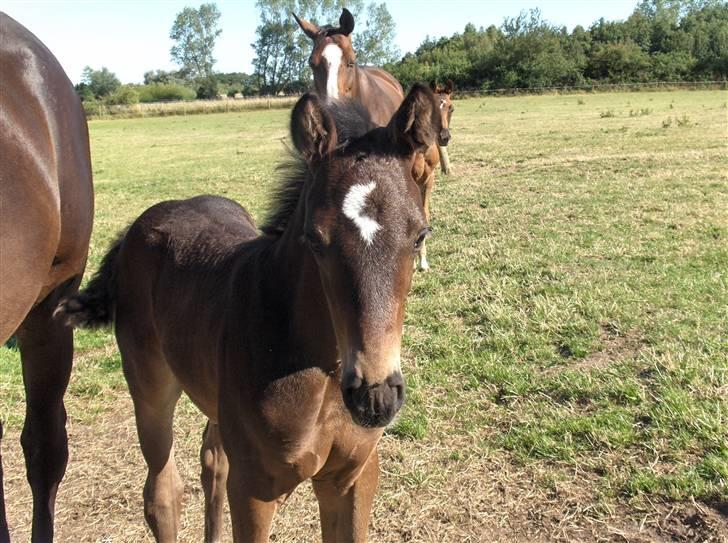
288 342
46 212
337 75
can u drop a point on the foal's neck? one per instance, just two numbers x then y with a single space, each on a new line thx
293 269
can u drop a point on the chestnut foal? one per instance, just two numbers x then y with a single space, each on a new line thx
425 164
289 342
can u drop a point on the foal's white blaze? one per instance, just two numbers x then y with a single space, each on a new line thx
332 53
354 202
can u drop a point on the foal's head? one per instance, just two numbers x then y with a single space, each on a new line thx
332 60
444 97
363 222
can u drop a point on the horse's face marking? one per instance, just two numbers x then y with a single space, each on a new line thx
353 208
333 63
332 55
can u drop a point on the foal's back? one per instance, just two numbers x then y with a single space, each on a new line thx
174 268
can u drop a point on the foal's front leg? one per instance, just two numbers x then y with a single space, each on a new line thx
345 516
214 478
251 517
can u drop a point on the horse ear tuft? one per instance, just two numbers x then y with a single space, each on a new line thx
346 22
415 125
433 85
312 129
449 86
310 29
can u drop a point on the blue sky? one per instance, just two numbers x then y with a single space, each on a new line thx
132 37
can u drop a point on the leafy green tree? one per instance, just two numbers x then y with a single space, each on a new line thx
99 83
194 32
163 77
708 32
621 62
374 40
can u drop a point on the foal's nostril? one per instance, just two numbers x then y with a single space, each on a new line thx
396 383
373 405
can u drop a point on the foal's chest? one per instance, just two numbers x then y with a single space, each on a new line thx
301 427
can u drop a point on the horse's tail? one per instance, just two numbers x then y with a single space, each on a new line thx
94 306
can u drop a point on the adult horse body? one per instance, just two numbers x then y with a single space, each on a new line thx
46 213
337 75
289 342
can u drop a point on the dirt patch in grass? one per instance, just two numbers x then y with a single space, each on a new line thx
615 346
427 493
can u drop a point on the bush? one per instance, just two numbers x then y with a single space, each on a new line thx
207 89
124 96
165 93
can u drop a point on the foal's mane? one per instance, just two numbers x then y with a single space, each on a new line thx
352 120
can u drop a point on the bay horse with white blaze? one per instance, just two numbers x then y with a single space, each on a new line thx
46 214
289 342
337 75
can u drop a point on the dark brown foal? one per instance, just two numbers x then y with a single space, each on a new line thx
289 341
46 211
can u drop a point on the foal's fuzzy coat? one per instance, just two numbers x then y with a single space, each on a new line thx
289 341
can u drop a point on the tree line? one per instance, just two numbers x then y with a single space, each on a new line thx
662 40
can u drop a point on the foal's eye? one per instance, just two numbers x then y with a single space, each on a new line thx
314 243
421 237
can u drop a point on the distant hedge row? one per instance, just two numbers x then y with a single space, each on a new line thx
663 40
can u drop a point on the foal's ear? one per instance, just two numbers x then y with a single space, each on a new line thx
449 86
415 125
312 129
433 85
346 22
310 29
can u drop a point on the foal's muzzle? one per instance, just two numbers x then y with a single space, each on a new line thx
373 406
444 137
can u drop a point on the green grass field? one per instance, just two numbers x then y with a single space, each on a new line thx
566 358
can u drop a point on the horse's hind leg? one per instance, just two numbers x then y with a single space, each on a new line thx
46 351
155 391
214 478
